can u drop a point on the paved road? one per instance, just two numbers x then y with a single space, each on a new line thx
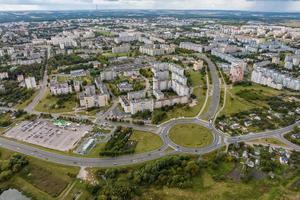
162 130
215 100
40 95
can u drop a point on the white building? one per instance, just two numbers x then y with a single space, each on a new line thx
237 72
108 75
30 83
60 88
3 75
274 79
89 98
156 50
191 46
121 49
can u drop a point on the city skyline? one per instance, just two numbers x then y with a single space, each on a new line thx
244 5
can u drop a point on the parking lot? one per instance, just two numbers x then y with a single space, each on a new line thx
46 134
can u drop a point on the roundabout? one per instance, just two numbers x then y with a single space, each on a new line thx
191 135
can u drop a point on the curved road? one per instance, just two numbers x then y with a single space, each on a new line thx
162 130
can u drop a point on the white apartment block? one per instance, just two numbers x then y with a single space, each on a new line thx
162 81
138 101
3 75
156 50
89 98
108 75
191 46
121 49
229 58
236 72
77 85
30 83
60 88
274 79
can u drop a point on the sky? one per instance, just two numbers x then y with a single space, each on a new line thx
249 5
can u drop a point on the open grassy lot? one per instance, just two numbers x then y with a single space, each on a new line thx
87 79
190 135
40 179
54 104
78 192
44 179
206 188
146 141
235 103
273 141
94 152
195 77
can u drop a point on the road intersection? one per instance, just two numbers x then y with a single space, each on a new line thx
219 138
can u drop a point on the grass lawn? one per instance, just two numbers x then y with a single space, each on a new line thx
63 79
48 104
190 135
205 187
235 104
203 115
40 179
146 141
93 112
94 152
195 77
273 141
78 192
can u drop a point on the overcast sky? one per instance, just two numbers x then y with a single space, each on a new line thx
252 5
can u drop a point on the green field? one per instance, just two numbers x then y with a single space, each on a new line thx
40 179
206 187
235 104
267 141
87 79
190 135
49 104
94 152
146 141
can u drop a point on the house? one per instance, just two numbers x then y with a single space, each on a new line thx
296 136
283 160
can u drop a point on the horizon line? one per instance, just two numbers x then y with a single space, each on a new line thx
150 9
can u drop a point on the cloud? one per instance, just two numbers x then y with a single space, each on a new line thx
256 5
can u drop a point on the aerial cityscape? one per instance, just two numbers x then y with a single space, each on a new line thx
154 103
